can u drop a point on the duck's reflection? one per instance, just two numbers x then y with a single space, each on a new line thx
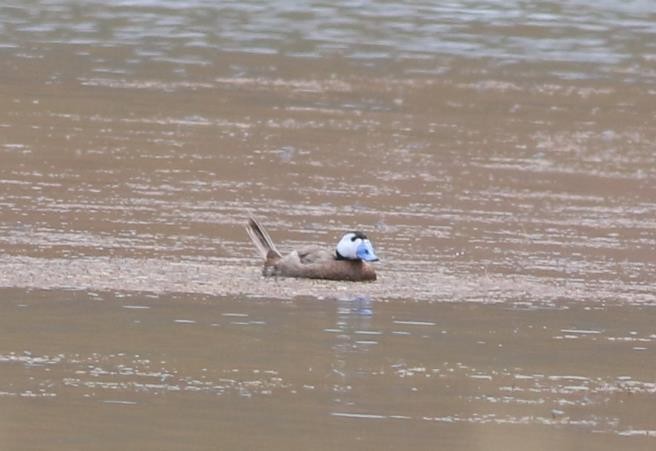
354 309
354 337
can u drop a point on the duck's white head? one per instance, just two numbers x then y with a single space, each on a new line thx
356 246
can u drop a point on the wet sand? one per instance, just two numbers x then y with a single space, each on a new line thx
505 173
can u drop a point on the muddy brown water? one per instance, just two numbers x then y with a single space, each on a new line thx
499 155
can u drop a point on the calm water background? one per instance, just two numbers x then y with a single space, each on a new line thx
499 154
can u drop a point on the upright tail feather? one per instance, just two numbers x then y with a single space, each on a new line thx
262 240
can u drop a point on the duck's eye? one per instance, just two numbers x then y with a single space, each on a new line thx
353 238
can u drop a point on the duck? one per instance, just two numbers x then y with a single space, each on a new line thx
349 261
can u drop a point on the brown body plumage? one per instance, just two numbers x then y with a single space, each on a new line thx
310 263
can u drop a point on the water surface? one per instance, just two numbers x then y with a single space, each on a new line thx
499 155
193 372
